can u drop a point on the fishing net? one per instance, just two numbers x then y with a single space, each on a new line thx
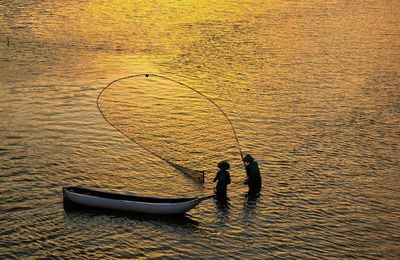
170 120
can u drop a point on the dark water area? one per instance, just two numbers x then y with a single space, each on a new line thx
311 87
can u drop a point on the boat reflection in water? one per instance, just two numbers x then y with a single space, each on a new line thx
86 214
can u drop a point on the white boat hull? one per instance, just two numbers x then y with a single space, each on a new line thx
159 208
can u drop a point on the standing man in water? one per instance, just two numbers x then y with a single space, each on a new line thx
253 174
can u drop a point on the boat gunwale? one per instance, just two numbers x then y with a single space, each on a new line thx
126 197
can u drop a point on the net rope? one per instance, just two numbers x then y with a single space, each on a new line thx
197 175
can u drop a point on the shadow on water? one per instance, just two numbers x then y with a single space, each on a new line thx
222 203
76 212
252 196
251 199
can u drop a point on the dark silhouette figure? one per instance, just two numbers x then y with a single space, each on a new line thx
224 179
253 175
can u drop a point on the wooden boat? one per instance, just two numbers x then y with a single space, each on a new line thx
131 203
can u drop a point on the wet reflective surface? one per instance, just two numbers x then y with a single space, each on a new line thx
312 89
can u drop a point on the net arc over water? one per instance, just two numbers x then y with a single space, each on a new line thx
171 120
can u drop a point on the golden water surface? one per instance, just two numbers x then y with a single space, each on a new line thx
311 87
